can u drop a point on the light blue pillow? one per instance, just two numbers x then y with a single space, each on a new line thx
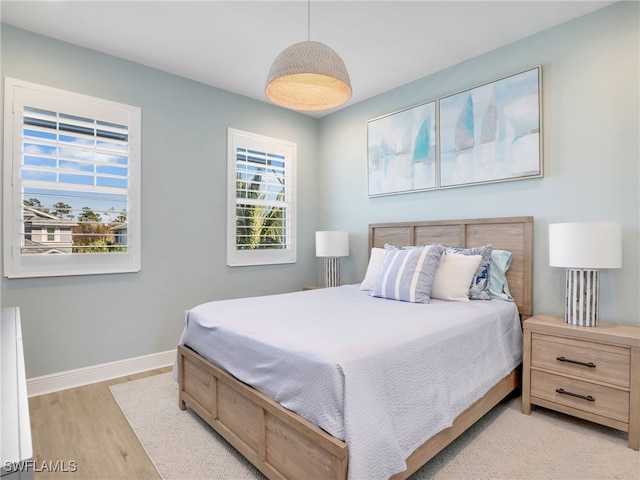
407 274
479 289
498 286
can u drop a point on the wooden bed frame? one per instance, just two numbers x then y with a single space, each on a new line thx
283 445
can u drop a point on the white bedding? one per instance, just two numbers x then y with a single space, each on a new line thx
382 375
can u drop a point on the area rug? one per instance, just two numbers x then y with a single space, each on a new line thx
504 444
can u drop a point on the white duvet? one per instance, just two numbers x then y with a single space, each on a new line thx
382 375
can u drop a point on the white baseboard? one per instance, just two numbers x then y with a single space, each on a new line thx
98 373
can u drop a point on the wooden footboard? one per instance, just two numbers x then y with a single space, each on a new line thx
279 443
283 445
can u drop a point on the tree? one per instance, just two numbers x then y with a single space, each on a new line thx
90 232
257 224
121 218
62 210
35 203
89 216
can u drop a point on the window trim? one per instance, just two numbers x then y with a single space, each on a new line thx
249 140
18 265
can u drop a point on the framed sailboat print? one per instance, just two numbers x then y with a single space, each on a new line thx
492 133
401 151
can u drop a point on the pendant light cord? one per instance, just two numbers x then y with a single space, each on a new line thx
308 20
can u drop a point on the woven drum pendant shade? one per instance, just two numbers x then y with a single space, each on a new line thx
308 76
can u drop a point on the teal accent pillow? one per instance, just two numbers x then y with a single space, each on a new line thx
498 286
407 274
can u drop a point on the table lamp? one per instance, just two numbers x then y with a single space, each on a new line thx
332 245
584 248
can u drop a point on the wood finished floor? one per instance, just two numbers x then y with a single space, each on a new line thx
85 425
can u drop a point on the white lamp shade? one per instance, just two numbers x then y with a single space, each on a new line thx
332 244
585 245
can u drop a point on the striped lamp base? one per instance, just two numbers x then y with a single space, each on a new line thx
583 289
332 272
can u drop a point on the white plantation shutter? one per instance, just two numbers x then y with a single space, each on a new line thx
261 200
77 162
262 191
74 151
72 180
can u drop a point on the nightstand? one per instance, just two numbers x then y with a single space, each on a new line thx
588 372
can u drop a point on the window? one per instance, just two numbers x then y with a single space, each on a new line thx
71 183
261 200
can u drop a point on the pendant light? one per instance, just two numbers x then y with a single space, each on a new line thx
308 76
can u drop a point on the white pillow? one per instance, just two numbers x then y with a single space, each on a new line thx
376 259
454 276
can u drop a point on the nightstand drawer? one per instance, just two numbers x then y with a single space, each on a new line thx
598 399
588 372
588 360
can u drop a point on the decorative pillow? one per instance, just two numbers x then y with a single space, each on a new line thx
407 275
389 246
453 276
376 259
480 284
498 286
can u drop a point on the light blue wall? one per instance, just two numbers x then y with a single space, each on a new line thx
591 152
73 322
590 76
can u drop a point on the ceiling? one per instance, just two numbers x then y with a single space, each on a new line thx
231 44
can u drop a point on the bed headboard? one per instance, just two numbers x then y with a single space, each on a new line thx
514 234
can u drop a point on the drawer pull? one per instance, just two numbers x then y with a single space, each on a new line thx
590 364
562 391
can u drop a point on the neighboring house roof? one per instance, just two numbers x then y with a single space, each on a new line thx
119 227
35 247
43 219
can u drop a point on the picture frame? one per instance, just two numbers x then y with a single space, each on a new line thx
402 151
492 132
486 134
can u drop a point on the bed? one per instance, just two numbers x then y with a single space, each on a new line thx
283 444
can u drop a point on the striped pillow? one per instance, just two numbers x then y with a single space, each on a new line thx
407 275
